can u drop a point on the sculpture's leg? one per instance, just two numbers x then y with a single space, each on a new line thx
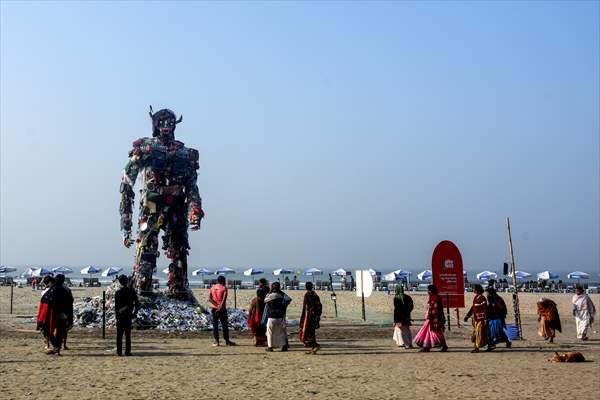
176 245
145 262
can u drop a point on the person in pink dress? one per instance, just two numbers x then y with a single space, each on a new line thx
431 333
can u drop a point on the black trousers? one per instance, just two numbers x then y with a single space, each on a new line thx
123 327
220 316
61 333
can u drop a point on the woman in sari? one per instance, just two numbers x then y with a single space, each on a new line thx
431 333
548 318
479 313
497 318
583 311
309 321
403 306
255 313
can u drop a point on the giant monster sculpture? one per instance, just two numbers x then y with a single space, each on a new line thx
169 199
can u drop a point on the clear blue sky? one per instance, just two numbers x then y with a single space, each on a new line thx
330 134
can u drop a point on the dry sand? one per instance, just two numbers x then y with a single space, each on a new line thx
358 360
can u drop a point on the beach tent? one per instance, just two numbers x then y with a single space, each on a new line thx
578 275
372 271
522 274
424 276
313 272
224 271
165 271
90 270
5 270
547 275
201 271
282 271
340 272
253 271
110 271
486 276
62 270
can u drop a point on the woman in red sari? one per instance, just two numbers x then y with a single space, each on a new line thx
45 321
255 314
309 321
431 333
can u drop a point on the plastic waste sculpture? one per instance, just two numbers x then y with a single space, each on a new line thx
169 202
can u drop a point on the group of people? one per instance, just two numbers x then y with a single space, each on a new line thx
266 317
55 313
488 315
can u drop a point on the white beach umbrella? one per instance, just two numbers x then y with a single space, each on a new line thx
313 272
372 271
38 272
27 273
547 275
90 270
110 271
522 274
578 275
340 272
282 271
486 276
5 270
424 276
201 271
224 271
165 271
62 270
253 271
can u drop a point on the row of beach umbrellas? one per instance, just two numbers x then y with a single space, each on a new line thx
392 276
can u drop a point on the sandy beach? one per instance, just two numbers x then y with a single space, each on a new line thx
358 360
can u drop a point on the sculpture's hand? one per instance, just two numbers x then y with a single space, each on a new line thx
196 215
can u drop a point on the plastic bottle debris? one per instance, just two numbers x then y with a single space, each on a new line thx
161 312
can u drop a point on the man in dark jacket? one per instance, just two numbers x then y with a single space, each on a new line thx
61 304
126 307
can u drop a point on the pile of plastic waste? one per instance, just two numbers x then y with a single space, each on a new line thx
159 312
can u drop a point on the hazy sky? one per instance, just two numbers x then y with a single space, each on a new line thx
330 134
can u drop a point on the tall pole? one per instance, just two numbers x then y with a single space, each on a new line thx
362 295
514 281
103 314
11 296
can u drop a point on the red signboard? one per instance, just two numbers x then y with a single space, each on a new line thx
447 274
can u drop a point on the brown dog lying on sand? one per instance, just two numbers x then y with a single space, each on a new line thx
570 356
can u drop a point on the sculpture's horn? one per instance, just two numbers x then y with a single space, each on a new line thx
180 119
151 111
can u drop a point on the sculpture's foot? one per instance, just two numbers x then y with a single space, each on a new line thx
182 295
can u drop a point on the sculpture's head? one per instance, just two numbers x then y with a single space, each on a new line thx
163 124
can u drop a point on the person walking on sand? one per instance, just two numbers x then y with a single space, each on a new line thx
126 308
276 304
403 306
497 310
583 311
431 333
548 319
218 303
478 311
255 313
62 300
310 319
45 322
